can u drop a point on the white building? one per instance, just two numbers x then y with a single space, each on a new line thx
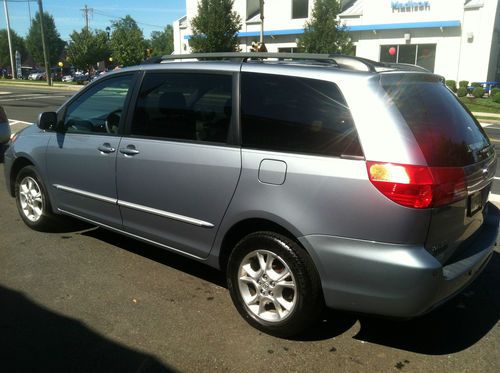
459 39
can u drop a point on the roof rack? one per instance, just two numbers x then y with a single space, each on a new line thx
338 60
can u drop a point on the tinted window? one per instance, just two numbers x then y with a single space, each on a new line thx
184 106
445 131
100 108
296 115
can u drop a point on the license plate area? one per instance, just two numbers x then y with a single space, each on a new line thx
474 203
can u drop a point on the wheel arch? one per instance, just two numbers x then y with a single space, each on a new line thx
17 166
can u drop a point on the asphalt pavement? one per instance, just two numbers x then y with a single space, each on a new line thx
82 299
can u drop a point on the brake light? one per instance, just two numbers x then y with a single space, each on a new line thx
418 186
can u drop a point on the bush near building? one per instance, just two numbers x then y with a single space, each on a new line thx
451 84
494 91
463 84
475 84
478 92
496 98
462 92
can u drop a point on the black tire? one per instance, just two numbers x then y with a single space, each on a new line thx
43 219
306 296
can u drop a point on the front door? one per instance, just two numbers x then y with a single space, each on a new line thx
81 159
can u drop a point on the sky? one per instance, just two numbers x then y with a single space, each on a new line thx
151 15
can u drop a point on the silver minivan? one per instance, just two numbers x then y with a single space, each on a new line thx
311 180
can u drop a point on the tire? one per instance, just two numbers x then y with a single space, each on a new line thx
274 284
32 200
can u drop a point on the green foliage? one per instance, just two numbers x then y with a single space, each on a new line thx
127 42
496 97
162 42
475 84
494 91
324 33
87 47
452 85
463 83
478 92
17 44
53 42
215 27
462 92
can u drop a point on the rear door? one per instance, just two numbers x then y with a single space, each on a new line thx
450 138
176 167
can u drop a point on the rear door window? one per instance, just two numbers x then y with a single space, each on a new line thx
448 135
298 115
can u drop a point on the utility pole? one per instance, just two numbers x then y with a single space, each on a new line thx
261 4
86 11
6 9
45 57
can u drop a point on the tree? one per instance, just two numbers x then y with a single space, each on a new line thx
162 42
324 33
215 27
87 47
127 42
17 44
54 43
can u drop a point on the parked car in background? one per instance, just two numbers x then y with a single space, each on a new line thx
68 78
4 132
37 75
309 180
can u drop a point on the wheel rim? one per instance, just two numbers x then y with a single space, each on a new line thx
267 286
31 199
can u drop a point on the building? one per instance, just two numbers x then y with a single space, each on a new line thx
459 39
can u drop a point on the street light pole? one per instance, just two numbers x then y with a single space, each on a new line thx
261 4
45 57
6 9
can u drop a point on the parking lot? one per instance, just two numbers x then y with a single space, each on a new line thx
85 299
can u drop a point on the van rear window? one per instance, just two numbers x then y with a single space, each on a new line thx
447 133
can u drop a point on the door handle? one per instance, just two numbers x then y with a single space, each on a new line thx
106 148
129 150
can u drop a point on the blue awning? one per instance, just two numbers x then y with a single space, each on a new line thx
408 25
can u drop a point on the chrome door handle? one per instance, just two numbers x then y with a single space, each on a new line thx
129 150
106 148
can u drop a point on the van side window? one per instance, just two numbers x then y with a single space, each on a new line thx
184 106
299 115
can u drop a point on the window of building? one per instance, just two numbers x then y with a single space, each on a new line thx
196 107
298 115
288 50
423 55
253 8
300 9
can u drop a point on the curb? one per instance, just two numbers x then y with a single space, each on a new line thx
40 86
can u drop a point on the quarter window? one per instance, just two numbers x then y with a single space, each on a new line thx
99 109
294 114
196 107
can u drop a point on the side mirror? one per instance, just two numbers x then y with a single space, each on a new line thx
47 120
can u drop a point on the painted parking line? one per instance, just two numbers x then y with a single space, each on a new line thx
494 198
13 122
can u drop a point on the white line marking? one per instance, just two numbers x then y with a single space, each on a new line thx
13 122
494 197
486 124
496 178
30 98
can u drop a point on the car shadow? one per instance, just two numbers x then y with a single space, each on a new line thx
453 327
36 339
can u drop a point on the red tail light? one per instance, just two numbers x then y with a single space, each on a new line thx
418 186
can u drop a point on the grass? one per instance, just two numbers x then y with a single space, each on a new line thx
483 105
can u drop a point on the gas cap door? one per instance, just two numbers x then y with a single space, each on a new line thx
272 171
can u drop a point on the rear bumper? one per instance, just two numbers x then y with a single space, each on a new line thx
395 280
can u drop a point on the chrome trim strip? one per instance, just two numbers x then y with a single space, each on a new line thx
166 214
99 197
147 240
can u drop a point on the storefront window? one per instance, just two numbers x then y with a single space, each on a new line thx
417 54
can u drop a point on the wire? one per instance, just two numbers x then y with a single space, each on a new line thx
98 12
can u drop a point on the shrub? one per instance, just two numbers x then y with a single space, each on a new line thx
494 91
475 84
463 83
478 92
452 85
496 97
462 92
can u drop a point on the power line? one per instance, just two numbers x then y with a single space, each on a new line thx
98 12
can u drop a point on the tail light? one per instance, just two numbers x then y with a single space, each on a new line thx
418 186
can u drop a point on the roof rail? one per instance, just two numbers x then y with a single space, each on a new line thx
338 60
